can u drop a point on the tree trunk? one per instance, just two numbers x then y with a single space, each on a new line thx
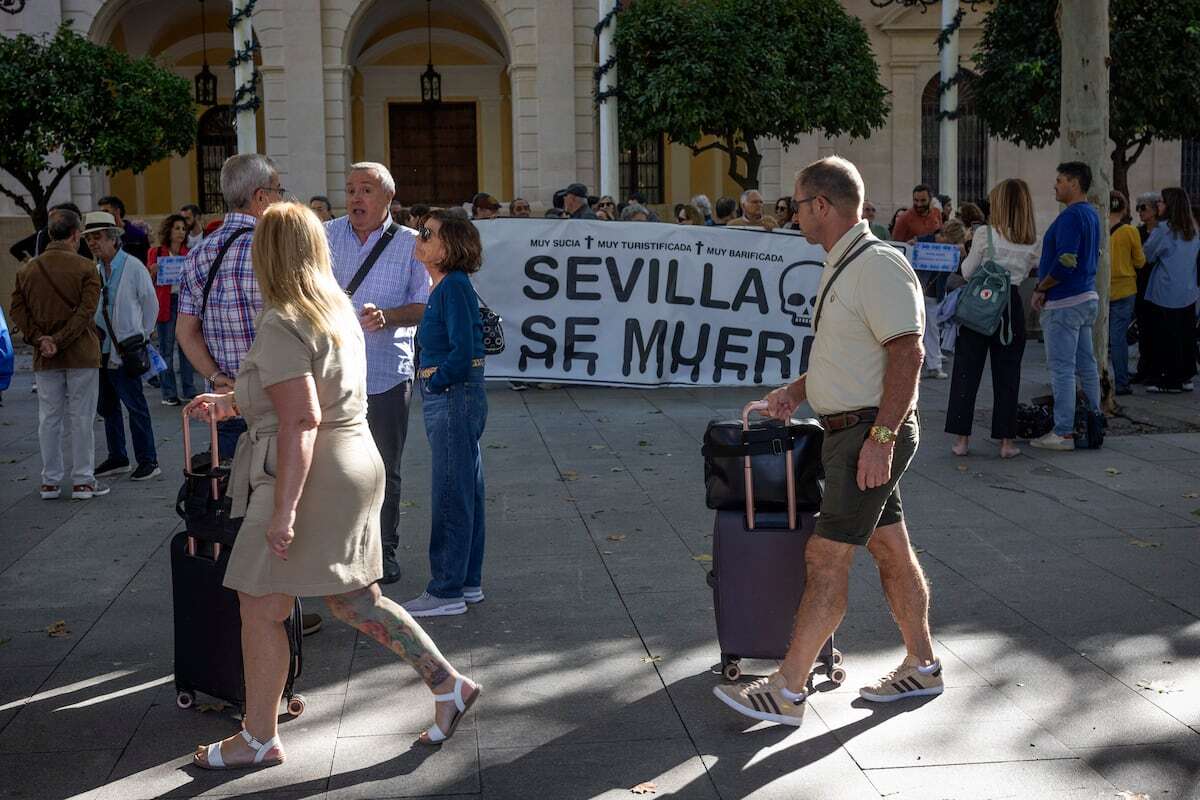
1084 31
750 155
1120 174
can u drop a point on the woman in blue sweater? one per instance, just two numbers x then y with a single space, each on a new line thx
1171 297
455 409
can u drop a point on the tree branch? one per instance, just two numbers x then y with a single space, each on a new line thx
63 172
19 199
1142 143
714 145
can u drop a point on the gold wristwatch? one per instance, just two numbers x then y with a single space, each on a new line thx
882 435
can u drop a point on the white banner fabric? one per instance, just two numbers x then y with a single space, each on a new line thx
648 304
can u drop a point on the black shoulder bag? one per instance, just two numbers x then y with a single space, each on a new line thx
372 257
216 265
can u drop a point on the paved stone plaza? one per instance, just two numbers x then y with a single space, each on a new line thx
1066 611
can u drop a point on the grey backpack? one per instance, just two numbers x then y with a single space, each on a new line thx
983 305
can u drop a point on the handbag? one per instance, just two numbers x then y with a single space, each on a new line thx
203 501
493 331
767 442
983 306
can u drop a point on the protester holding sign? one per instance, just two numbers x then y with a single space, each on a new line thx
1011 242
455 406
172 247
862 379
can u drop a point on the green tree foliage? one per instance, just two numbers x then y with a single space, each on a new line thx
739 70
1155 85
91 106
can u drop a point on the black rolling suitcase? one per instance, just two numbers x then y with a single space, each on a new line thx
208 623
758 577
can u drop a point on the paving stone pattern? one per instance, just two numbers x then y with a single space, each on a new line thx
1066 609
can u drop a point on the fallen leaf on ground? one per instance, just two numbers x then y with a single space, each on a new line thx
643 443
4 641
1112 471
1144 543
1196 513
1126 795
1192 495
649 787
570 475
217 706
617 469
606 552
57 630
963 467
1162 687
918 549
617 537
651 659
497 447
702 557
408 503
595 447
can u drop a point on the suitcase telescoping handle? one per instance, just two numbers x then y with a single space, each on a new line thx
761 407
187 468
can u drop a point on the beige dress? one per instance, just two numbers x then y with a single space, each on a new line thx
337 546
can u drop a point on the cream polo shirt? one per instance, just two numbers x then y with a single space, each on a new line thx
875 299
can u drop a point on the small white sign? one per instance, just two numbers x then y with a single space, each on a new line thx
935 257
169 269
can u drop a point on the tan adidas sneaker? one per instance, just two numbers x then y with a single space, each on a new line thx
906 680
763 700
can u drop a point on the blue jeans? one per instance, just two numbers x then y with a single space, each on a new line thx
1120 317
1068 334
167 349
454 422
118 389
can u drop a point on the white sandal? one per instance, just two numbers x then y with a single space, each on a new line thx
434 735
214 761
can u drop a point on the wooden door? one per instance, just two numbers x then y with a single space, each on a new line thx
433 152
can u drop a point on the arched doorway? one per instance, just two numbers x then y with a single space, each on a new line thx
972 142
216 140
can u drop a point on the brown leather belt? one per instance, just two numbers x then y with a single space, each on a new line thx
848 419
428 371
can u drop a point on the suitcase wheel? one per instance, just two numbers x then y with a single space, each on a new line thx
730 670
838 676
185 699
295 706
837 657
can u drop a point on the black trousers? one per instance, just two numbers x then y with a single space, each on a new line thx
1170 342
387 416
971 349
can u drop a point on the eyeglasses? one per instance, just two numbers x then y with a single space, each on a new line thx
1142 207
606 203
797 203
425 234
279 190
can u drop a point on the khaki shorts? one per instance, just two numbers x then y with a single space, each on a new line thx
848 514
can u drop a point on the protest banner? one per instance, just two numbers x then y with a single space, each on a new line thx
648 304
934 256
169 269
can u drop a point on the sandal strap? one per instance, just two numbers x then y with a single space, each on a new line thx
212 755
435 733
456 696
260 748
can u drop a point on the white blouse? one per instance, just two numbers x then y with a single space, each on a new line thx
1018 259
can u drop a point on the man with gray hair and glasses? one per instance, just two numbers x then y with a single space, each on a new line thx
374 262
219 296
862 380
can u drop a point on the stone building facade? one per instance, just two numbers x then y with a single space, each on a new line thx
341 82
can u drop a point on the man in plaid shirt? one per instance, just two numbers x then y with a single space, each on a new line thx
217 336
390 301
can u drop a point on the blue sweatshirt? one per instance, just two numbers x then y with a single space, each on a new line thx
1070 251
451 333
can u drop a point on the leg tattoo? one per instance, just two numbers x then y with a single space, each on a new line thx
389 624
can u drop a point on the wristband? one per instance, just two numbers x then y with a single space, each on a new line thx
213 378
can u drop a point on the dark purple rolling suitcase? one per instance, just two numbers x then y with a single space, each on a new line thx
758 578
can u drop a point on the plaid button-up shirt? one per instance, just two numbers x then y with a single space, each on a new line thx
233 303
397 279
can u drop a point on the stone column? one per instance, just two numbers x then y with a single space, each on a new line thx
905 130
555 97
297 100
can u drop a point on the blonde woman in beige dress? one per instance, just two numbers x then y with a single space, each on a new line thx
309 480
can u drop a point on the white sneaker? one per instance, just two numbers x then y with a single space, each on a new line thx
86 491
1188 386
1052 441
473 594
426 605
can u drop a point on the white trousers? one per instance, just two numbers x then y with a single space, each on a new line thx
933 336
67 398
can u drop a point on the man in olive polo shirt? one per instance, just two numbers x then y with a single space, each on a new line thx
862 380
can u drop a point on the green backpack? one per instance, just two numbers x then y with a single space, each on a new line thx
983 305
